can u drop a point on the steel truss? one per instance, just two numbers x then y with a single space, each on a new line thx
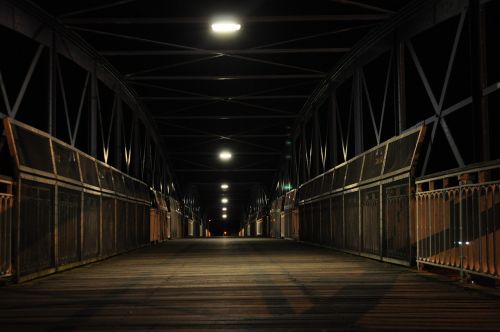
345 100
122 134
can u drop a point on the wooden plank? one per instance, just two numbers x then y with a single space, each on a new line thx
244 284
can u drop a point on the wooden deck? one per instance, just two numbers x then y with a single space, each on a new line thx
244 284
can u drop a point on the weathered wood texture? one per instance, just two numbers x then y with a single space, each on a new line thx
244 284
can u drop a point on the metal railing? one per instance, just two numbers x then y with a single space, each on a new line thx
6 202
458 220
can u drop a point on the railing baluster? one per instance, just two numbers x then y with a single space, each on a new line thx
458 226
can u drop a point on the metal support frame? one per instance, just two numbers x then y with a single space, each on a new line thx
59 41
204 20
316 145
438 105
358 112
52 87
236 51
333 141
118 144
479 77
400 86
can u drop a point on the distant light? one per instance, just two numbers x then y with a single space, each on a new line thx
224 208
225 233
224 216
225 27
224 200
224 186
225 155
287 186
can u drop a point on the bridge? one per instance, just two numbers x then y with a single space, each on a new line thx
249 165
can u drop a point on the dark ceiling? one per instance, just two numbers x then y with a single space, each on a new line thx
208 93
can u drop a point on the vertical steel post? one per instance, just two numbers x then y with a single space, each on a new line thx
400 86
333 130
418 202
461 241
479 78
136 154
306 168
93 112
316 154
360 222
118 133
381 220
52 86
357 94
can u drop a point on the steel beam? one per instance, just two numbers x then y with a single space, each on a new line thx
224 98
96 8
225 136
400 86
241 153
221 117
364 6
479 79
119 144
224 170
185 47
333 131
357 110
52 87
223 77
241 52
207 20
316 142
93 112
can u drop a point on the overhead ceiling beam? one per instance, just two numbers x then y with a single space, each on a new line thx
223 78
235 153
224 170
211 52
364 6
313 36
206 20
184 47
222 117
231 184
222 98
96 8
195 94
225 136
174 65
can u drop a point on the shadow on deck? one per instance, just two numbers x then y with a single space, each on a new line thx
244 284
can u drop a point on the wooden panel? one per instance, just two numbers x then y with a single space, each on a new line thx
244 284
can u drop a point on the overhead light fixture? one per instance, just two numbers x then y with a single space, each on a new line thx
224 208
225 155
224 216
224 200
225 27
224 186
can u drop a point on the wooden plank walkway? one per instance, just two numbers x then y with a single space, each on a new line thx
243 284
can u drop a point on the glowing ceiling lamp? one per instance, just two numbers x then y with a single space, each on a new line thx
225 27
225 155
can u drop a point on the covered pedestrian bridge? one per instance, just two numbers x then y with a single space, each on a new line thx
249 165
